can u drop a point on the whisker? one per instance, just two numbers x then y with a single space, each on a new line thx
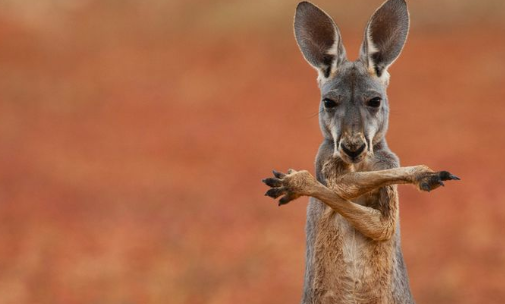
315 114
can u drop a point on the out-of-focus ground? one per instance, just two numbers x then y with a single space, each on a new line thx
134 135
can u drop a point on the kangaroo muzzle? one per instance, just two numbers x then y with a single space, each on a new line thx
353 150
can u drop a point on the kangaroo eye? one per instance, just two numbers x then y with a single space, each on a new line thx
374 102
329 103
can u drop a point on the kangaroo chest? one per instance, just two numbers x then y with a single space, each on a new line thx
348 267
345 265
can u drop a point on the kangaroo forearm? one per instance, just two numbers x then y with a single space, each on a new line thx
355 184
366 220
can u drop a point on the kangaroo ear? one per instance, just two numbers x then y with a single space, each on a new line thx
385 35
318 38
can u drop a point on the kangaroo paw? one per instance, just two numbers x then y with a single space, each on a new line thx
292 185
432 180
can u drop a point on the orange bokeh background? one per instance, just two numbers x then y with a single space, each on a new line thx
134 136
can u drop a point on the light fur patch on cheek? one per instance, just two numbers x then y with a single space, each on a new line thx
370 136
334 134
371 132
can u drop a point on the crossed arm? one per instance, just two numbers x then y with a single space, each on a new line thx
369 221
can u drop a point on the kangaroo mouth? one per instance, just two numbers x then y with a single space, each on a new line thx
353 156
355 153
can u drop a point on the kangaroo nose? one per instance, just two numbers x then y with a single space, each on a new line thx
353 151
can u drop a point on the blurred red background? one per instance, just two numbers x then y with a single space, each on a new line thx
134 136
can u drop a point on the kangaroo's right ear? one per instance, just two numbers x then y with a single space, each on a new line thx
318 38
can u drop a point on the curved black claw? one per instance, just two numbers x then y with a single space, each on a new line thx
278 174
272 182
435 180
445 175
275 192
286 199
280 187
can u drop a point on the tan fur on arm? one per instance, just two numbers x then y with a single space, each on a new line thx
355 184
369 221
376 221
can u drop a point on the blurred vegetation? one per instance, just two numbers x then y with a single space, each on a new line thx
232 15
134 135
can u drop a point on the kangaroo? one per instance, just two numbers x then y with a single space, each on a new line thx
353 233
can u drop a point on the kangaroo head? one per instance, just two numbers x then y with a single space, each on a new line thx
354 107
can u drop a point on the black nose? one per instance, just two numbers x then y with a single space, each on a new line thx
353 153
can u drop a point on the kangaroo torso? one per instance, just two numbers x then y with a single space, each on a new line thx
343 265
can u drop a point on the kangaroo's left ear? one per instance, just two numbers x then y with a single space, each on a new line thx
385 36
319 39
